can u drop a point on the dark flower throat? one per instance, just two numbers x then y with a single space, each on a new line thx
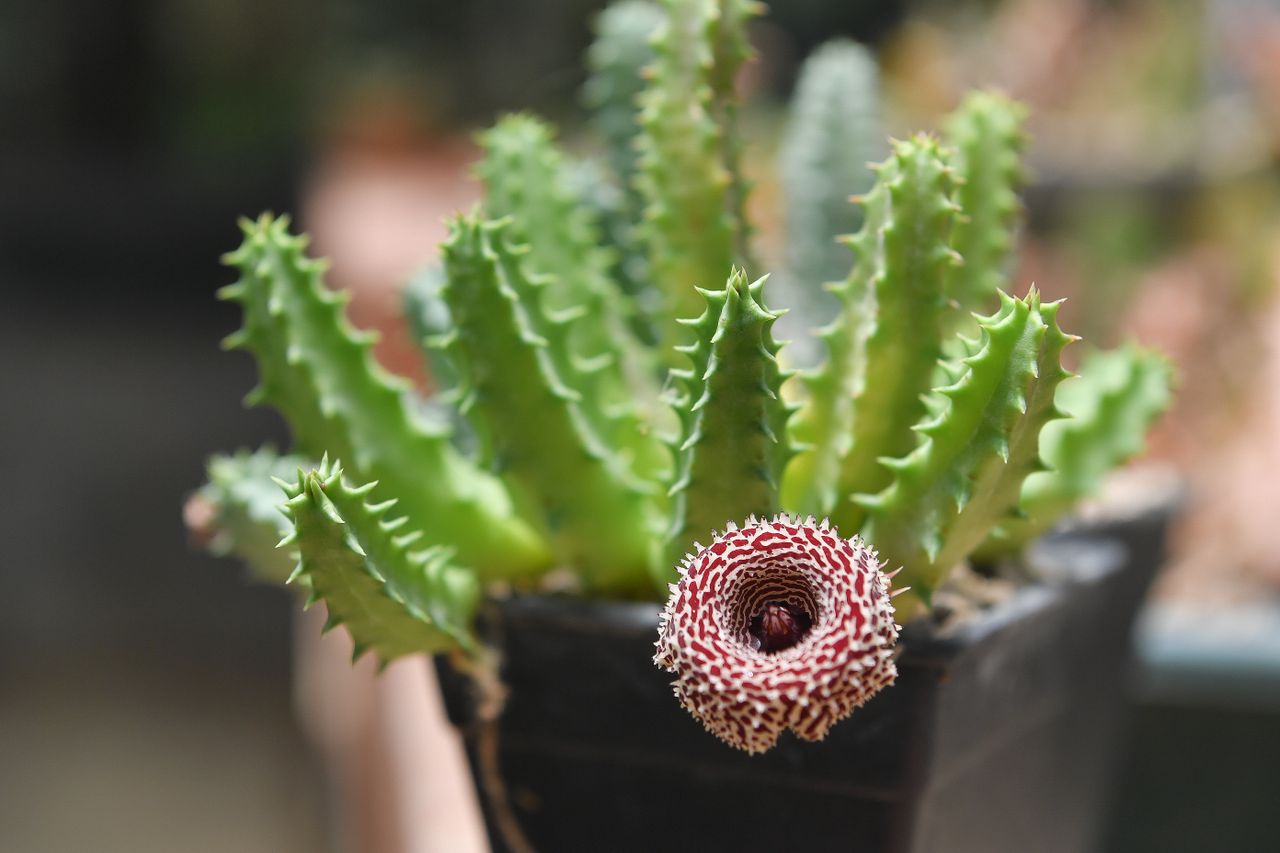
778 626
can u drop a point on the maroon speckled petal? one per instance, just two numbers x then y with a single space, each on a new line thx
782 574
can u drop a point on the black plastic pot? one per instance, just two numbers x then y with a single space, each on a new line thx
998 736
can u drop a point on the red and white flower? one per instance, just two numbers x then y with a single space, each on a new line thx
778 625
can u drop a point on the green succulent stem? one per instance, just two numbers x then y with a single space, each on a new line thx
730 49
602 519
733 442
692 224
621 51
1110 406
986 139
833 135
393 599
823 428
317 371
526 177
597 192
902 260
966 474
237 512
426 315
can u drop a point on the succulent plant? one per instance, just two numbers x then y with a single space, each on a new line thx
571 441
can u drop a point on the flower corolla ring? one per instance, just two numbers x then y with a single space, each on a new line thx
777 625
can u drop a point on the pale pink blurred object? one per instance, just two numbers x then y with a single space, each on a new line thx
378 213
1229 540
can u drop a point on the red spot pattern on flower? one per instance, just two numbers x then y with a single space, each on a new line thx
778 625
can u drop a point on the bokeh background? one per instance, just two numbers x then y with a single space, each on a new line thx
151 699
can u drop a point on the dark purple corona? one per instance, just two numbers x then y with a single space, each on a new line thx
779 626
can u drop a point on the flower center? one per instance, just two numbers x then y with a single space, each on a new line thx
778 625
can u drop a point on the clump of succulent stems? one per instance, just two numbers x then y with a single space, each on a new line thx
617 394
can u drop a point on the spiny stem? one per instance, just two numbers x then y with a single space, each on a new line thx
318 372
986 139
966 474
908 260
691 224
733 443
526 177
601 518
362 562
1111 405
